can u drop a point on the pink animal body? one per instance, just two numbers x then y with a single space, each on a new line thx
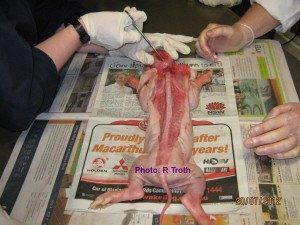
168 95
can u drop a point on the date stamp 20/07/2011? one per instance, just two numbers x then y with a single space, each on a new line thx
262 200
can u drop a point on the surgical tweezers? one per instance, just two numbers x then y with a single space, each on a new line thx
143 35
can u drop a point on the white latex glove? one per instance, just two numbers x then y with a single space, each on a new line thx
113 29
214 3
169 42
217 38
278 136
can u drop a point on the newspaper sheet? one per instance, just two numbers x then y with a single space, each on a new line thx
258 73
261 79
134 218
78 89
258 81
110 149
30 183
215 98
274 188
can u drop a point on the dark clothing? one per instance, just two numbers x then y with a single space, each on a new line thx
28 76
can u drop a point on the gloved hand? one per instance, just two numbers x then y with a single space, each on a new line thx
221 38
278 136
214 3
170 43
113 29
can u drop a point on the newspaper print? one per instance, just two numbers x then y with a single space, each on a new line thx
274 188
260 79
33 178
215 97
110 149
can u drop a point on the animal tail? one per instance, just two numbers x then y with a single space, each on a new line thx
165 186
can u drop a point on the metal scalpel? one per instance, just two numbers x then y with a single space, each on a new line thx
143 35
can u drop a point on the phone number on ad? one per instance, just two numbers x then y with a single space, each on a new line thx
264 200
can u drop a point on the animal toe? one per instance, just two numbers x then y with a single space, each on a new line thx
100 202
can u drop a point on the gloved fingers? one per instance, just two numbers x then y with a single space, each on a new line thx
131 36
144 57
179 46
172 52
219 31
206 53
207 2
169 48
203 49
128 8
138 16
181 38
293 153
168 44
214 3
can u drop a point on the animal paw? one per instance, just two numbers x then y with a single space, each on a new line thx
100 202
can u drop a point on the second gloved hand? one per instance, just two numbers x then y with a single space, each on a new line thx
217 38
169 42
113 29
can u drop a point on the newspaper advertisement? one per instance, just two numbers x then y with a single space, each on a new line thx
261 79
113 102
78 89
30 183
110 149
132 217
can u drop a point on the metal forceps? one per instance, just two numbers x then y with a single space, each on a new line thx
143 35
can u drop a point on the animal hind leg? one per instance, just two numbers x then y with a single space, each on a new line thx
192 201
134 191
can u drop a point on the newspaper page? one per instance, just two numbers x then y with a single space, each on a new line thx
111 100
274 188
261 79
78 89
110 149
215 98
130 217
135 218
30 183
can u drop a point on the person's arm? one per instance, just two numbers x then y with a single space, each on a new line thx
87 48
61 46
259 19
220 38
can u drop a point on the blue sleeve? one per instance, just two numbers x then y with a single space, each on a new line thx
28 79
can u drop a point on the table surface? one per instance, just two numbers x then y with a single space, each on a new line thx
187 17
